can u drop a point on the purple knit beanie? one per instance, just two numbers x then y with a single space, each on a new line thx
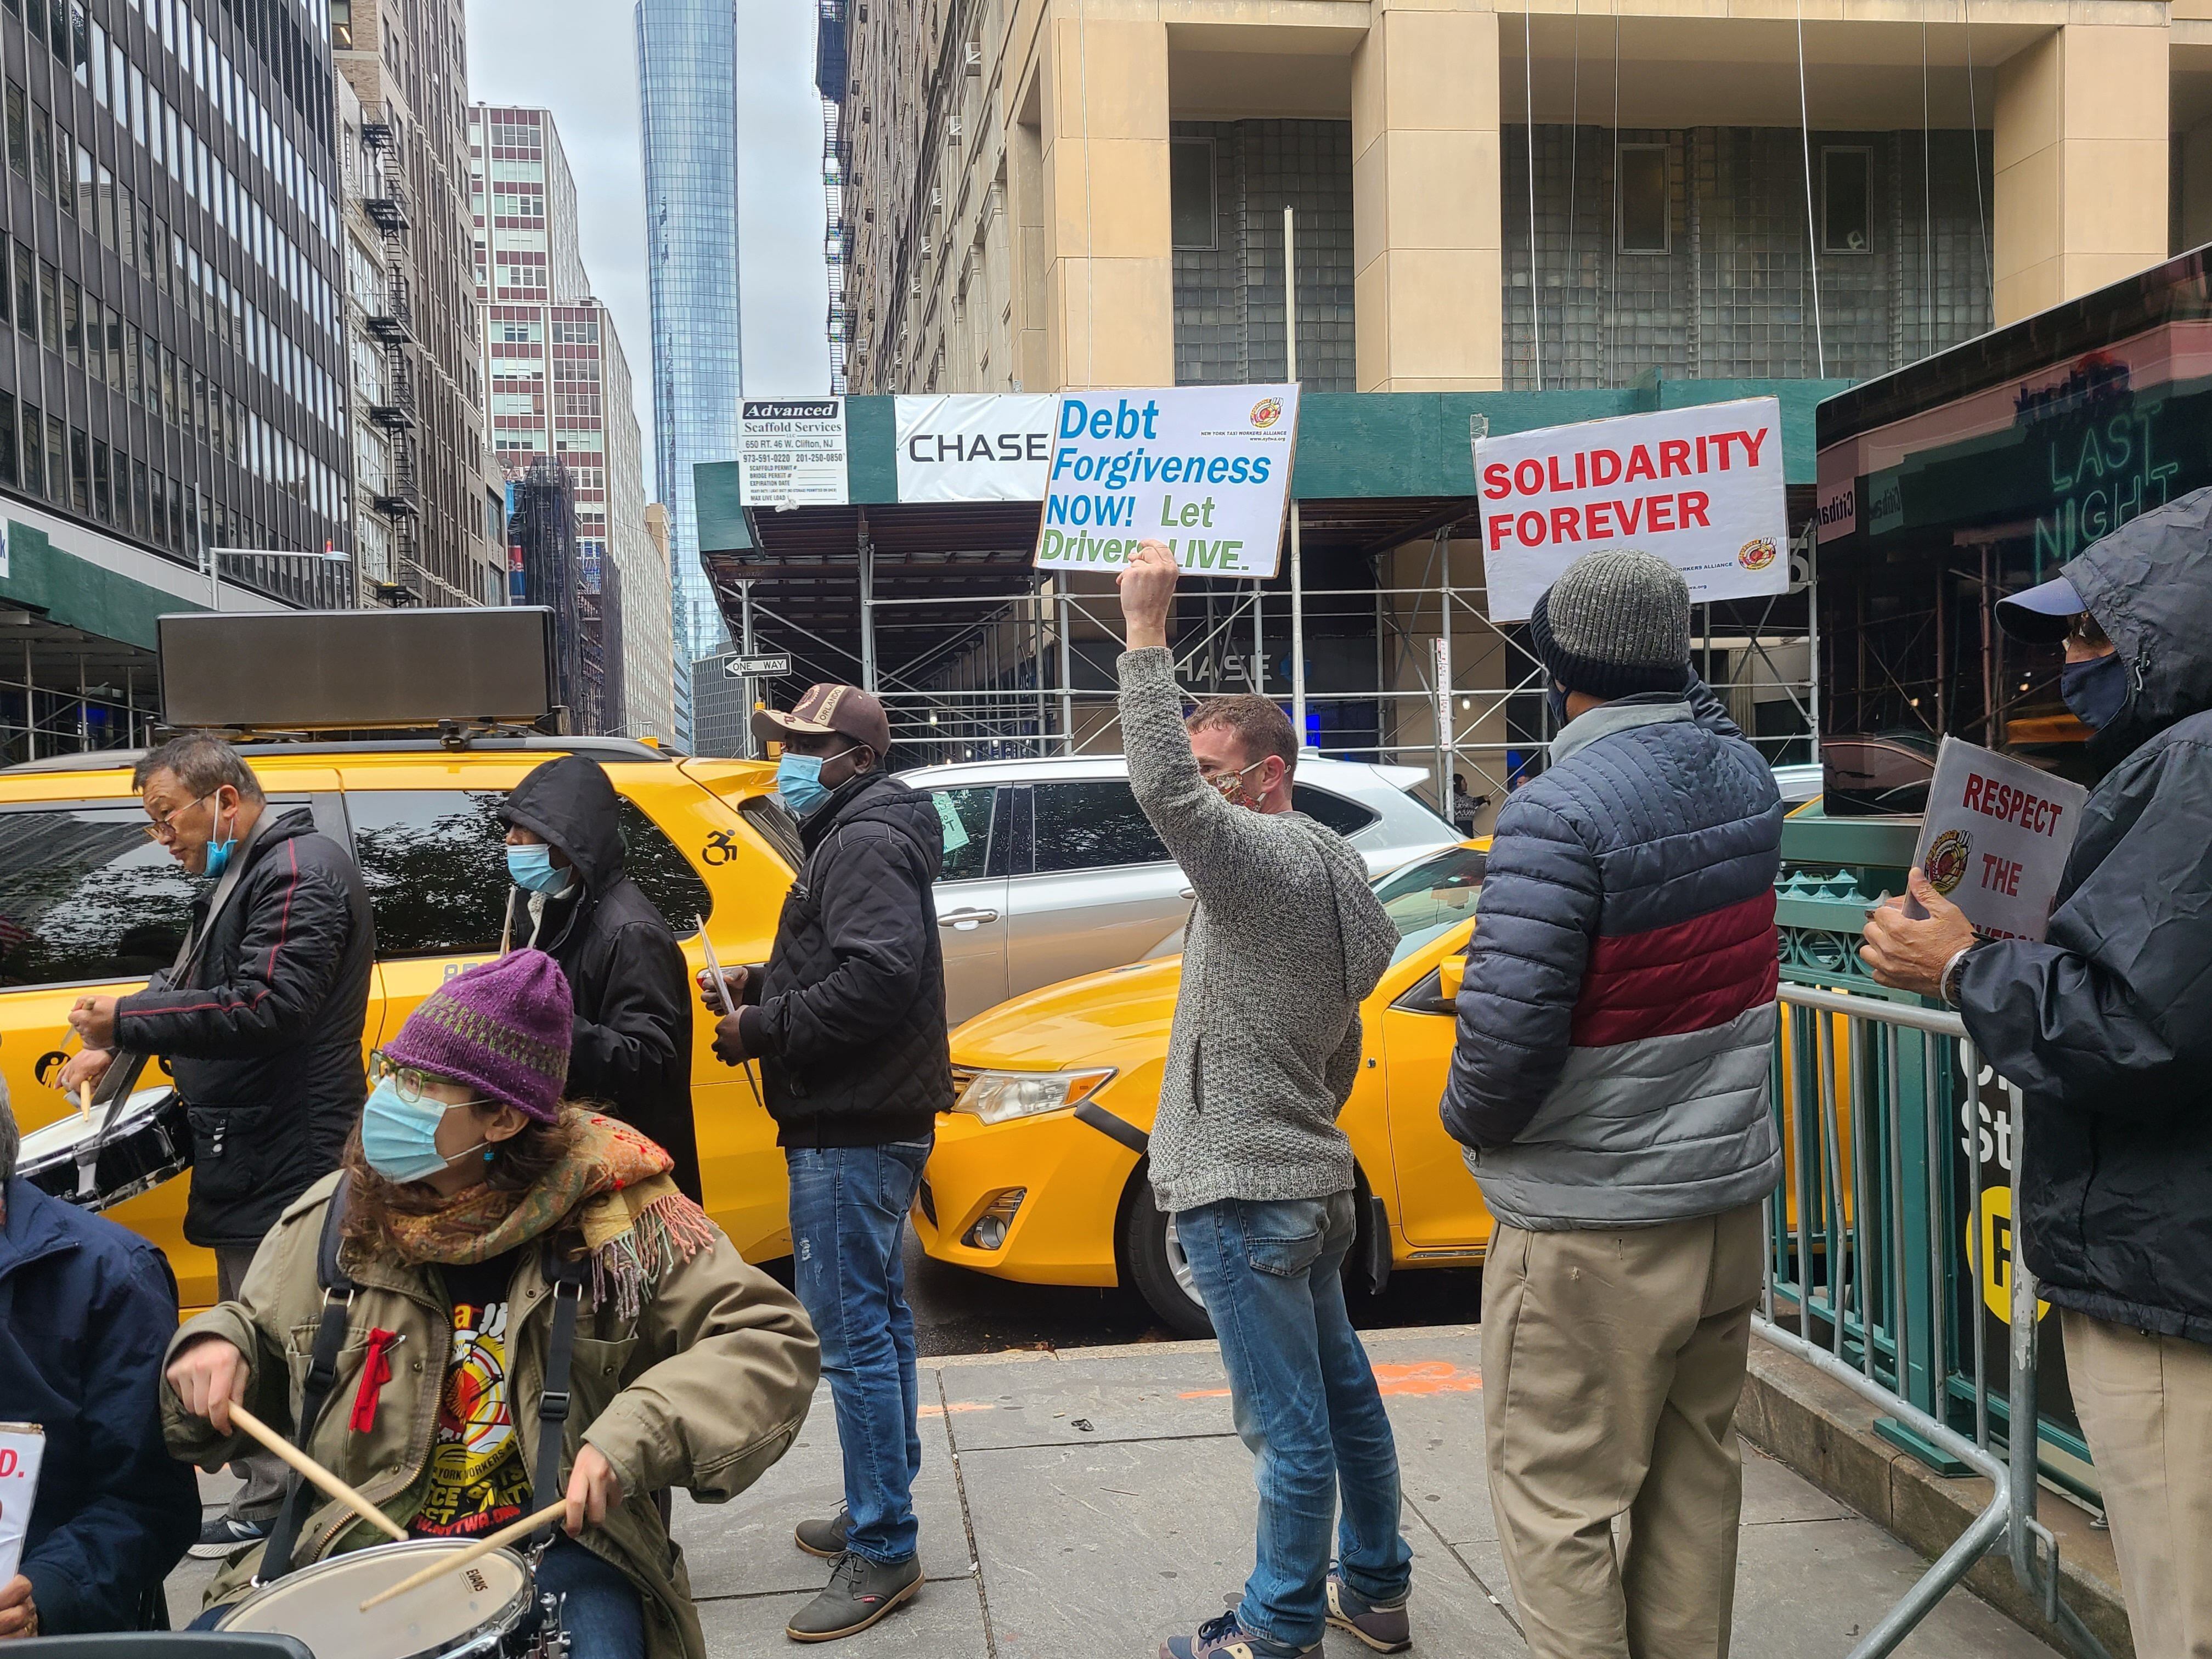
502 1027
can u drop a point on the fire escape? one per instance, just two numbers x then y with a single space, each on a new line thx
391 324
830 67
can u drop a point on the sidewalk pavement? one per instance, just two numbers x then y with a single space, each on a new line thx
1087 1503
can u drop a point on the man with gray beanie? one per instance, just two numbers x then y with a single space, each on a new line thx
1610 1085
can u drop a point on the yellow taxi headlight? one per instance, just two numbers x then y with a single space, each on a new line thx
999 1097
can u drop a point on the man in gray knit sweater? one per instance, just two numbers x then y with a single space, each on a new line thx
1285 940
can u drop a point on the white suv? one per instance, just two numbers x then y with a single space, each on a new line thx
1050 870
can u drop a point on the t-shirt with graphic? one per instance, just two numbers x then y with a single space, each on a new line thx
479 1479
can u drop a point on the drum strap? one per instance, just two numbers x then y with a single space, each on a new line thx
568 1278
337 1290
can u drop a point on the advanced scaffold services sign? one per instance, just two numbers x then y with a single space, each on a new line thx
1205 470
1701 487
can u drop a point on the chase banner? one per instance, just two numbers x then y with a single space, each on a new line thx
974 446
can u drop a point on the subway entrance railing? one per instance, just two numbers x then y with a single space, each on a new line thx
1890 1267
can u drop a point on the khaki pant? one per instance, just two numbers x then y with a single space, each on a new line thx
1611 1364
2145 1406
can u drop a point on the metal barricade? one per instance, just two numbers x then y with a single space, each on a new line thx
1858 1261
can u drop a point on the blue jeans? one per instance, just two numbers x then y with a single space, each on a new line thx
848 1209
600 1609
1306 1405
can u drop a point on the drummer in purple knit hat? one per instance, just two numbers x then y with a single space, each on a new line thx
471 1187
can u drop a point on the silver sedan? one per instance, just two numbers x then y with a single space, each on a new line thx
1050 870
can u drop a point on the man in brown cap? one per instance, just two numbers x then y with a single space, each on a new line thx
848 1021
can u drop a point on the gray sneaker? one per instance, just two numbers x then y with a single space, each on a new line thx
859 1592
1382 1626
825 1538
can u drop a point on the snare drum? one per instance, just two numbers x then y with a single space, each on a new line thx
487 1610
149 1142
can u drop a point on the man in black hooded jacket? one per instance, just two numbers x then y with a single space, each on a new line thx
848 1021
631 1052
2106 1027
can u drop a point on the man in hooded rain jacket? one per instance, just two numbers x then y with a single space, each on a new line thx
2106 1028
632 1049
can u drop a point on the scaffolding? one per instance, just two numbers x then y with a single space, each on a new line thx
1027 670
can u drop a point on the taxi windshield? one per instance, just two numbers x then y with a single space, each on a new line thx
1428 899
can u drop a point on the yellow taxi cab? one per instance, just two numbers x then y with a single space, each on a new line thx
1039 1174
88 904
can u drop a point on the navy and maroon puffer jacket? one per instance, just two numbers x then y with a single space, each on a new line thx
1618 1017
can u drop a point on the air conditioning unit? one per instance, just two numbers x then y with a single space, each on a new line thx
971 56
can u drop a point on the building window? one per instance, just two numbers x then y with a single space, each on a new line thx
1190 191
19 131
1846 201
1644 221
80 462
9 474
34 454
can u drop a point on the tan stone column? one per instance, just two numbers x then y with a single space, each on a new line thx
1426 230
1110 276
2082 154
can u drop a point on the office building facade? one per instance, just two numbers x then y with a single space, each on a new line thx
687 90
560 390
171 381
1056 193
427 501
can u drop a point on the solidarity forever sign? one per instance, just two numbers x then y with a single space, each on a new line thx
1995 838
1701 487
1205 470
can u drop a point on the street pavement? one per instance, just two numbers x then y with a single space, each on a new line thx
1084 1504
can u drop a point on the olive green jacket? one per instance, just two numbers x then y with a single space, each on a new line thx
705 1389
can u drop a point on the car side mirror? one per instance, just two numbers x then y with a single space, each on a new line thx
1451 974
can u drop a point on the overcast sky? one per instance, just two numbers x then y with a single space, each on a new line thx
578 59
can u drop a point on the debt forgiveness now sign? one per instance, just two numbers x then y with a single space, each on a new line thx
1701 487
1205 470
1995 838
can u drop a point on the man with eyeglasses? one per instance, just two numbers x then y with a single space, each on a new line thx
1285 941
261 1024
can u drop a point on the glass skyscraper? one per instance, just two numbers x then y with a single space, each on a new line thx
687 93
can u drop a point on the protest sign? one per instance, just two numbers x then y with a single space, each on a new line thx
1204 469
1701 487
21 1447
975 446
791 451
1995 838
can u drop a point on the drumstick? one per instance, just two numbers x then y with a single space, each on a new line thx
722 992
474 1552
85 1101
316 1474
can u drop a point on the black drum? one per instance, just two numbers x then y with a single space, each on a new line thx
148 1142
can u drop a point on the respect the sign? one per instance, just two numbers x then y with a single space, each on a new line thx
1205 470
1700 487
1995 838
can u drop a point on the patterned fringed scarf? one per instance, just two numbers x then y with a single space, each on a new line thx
615 1187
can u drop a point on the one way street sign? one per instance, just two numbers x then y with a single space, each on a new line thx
739 668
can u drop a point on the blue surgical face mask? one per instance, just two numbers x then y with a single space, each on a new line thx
798 781
1556 695
533 870
400 1137
219 852
2096 691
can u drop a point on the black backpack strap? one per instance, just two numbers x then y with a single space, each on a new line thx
567 1281
322 1371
